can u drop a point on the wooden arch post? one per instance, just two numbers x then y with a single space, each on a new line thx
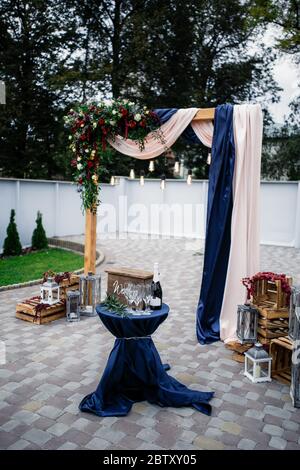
91 216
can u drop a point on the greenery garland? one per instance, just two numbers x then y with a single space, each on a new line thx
91 126
113 304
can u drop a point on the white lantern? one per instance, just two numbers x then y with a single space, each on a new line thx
258 364
90 294
73 300
50 292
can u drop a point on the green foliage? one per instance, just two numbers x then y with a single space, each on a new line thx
12 245
113 304
16 269
39 239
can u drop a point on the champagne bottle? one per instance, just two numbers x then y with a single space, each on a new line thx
156 290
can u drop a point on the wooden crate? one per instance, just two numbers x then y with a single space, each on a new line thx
118 277
238 350
26 310
281 350
272 323
67 285
270 294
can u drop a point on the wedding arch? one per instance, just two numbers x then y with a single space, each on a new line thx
234 134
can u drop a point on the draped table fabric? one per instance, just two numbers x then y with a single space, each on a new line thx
134 371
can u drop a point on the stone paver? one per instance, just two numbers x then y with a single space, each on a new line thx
51 367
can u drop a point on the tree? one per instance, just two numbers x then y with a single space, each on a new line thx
30 123
12 245
39 240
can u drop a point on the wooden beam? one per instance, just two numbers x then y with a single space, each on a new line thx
204 114
90 242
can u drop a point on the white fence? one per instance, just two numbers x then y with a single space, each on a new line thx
179 210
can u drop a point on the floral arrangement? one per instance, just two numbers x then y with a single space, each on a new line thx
58 277
92 126
250 283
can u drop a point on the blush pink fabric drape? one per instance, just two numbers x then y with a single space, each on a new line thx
171 130
245 224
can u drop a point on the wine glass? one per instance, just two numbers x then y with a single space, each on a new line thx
129 294
147 295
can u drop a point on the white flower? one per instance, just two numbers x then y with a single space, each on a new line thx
79 166
86 150
147 112
94 125
137 117
82 125
131 103
93 152
114 111
71 110
112 123
94 177
70 137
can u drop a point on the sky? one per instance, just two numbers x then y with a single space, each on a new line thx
287 75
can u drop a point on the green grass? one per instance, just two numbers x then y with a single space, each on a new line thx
16 269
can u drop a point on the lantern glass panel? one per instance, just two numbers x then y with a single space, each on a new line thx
90 294
73 313
295 385
247 324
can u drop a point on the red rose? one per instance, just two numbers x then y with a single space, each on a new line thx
123 111
104 130
90 164
101 122
88 175
80 180
143 123
74 162
83 137
132 124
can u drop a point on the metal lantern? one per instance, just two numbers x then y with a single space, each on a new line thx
49 292
294 314
247 324
258 364
90 293
295 376
73 302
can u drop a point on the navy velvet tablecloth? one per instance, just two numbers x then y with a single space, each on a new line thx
134 371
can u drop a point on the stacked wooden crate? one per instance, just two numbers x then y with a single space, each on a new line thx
271 302
281 350
67 284
32 310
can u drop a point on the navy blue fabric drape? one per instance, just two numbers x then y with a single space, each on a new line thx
217 242
134 371
188 134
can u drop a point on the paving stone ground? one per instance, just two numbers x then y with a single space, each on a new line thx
49 368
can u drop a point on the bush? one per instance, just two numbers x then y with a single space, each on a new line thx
12 245
39 239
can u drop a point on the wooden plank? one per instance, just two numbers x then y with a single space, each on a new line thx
29 309
204 114
270 334
130 272
90 242
40 320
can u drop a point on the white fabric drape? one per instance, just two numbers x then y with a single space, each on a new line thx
171 130
245 225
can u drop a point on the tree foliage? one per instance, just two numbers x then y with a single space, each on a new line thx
12 245
39 240
162 53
